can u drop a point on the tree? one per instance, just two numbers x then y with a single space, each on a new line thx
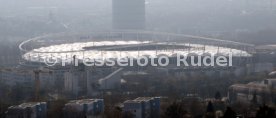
128 115
175 110
229 113
218 95
210 107
265 112
55 108
254 100
113 112
210 112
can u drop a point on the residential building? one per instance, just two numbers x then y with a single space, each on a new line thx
143 107
28 110
257 92
85 108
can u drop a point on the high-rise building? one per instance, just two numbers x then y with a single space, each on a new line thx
129 14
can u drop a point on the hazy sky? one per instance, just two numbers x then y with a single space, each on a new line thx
175 14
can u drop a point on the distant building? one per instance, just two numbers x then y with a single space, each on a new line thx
210 72
75 82
128 14
257 92
13 76
266 48
264 58
93 76
28 110
111 81
158 71
189 98
143 107
86 108
261 67
71 83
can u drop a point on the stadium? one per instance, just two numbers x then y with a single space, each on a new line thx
124 44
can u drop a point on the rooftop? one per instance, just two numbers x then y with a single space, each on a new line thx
83 101
144 98
26 105
132 101
140 99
